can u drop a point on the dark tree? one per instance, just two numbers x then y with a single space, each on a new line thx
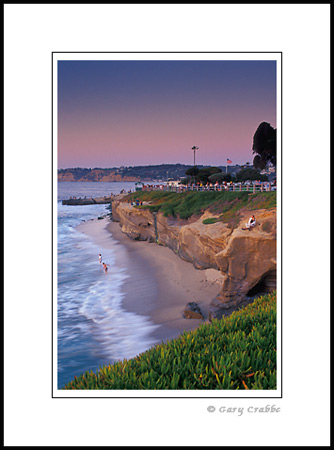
264 145
250 174
220 177
204 174
192 171
186 180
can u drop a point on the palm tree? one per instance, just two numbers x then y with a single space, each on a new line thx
194 148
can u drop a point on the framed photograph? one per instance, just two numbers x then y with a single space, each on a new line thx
167 224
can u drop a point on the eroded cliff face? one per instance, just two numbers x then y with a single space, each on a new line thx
246 259
95 175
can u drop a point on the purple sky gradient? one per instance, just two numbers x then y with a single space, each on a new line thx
127 113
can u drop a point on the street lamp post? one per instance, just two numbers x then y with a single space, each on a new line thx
194 148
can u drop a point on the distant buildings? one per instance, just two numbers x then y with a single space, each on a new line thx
173 183
268 170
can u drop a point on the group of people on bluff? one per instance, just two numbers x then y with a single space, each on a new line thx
137 203
104 265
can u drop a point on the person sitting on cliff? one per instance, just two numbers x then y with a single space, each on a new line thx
250 224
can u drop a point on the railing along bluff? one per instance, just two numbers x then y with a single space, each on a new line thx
236 187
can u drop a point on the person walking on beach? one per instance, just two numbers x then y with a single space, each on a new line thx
105 268
100 258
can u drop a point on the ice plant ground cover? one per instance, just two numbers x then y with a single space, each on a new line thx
186 204
236 352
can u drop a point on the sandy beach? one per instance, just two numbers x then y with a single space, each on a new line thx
160 283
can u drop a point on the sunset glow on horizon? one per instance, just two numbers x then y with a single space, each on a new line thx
131 113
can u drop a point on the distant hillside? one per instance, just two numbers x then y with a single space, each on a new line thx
133 173
136 173
79 174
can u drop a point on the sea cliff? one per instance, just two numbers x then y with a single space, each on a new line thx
245 259
93 175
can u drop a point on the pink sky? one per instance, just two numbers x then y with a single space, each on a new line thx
131 113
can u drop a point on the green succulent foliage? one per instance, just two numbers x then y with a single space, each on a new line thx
187 204
236 352
210 220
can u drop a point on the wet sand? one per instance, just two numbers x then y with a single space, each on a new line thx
160 283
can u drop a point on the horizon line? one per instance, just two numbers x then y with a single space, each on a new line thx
153 165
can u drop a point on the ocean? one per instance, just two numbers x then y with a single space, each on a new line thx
93 329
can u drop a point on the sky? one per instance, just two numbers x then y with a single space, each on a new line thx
132 113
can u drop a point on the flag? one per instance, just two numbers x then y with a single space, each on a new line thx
229 161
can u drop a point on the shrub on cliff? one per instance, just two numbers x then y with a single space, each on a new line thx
210 220
236 352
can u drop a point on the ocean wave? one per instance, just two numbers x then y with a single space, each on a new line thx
93 327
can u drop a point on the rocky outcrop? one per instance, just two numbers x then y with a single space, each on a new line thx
246 259
192 311
87 201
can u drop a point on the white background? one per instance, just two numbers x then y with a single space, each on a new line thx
31 33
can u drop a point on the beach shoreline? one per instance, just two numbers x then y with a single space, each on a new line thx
160 283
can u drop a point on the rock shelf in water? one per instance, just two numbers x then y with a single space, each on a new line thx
87 201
